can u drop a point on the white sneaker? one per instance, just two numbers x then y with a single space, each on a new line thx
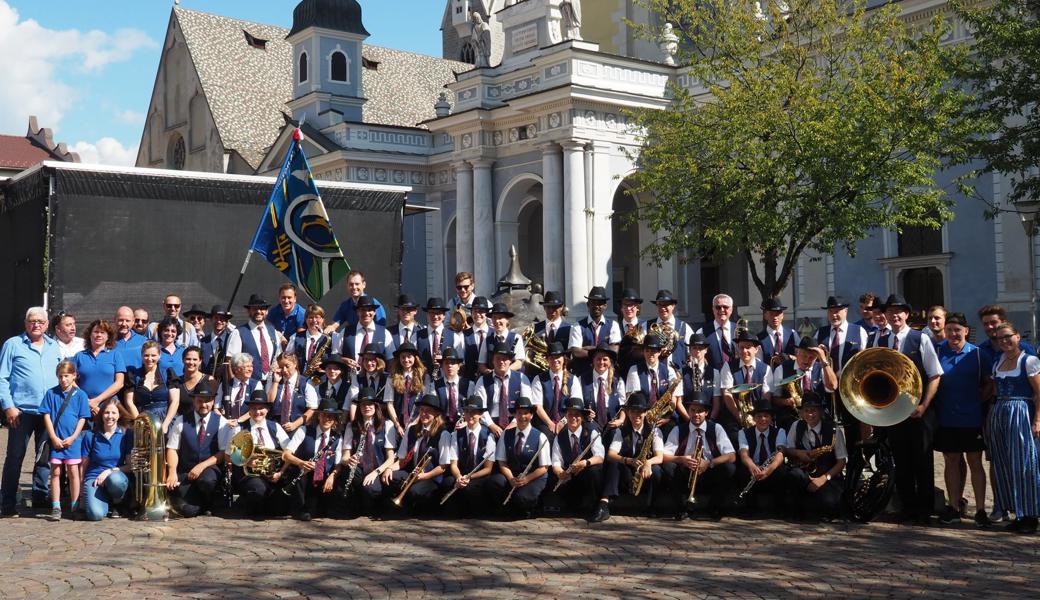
997 516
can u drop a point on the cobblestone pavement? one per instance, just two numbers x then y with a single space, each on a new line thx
212 557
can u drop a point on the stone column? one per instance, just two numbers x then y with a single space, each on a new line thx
434 247
483 244
552 217
463 218
575 246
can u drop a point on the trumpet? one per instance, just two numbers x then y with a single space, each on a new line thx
413 476
698 451
580 457
530 465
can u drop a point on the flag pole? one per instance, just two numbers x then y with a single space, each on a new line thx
297 135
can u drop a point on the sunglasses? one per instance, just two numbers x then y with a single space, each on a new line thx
719 307
463 287
140 320
173 306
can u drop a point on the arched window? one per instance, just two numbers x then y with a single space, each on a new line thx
467 54
303 67
338 67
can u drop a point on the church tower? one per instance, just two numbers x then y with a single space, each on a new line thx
327 36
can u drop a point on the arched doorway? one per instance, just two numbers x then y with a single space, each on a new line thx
450 264
529 238
518 222
624 246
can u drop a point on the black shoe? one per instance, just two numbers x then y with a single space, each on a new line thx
602 513
681 516
1029 525
9 513
949 514
922 521
982 519
302 516
1014 526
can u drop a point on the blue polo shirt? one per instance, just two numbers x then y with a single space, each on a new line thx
287 324
130 348
26 373
990 354
96 373
346 314
958 399
105 453
172 360
77 409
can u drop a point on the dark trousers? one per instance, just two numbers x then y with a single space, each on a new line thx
825 501
474 499
17 443
192 497
580 493
304 496
617 481
258 496
365 499
716 483
911 443
524 498
776 485
421 496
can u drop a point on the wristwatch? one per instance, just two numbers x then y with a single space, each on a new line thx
828 476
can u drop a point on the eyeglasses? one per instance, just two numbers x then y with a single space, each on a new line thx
173 305
721 307
1005 338
38 322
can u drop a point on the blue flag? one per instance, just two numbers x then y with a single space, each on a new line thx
295 234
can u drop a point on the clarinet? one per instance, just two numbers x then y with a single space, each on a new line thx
750 484
226 388
359 454
330 447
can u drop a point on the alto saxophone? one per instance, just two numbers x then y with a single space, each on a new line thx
659 409
312 371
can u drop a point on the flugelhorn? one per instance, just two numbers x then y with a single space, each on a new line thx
413 476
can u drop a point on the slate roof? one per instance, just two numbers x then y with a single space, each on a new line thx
247 88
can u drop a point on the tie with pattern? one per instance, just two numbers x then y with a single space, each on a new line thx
202 431
260 437
575 449
453 403
762 449
552 333
503 401
807 381
265 353
601 403
471 460
310 348
518 448
369 457
556 399
319 467
653 387
364 342
777 349
834 345
595 334
286 402
748 374
724 344
239 398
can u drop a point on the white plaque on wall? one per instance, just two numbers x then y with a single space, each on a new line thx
525 36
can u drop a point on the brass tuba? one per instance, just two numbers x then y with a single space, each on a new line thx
256 461
667 333
537 349
880 386
148 462
745 405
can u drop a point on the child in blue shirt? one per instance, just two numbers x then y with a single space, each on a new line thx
63 429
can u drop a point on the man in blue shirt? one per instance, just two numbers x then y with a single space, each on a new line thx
128 341
28 364
288 316
992 316
346 315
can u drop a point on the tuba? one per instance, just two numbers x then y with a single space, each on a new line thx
880 387
256 461
666 333
537 349
745 405
148 462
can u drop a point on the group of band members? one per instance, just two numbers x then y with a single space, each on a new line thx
454 418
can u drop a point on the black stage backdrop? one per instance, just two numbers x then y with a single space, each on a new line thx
132 236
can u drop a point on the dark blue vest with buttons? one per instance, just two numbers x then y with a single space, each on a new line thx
708 386
562 333
518 462
378 447
300 350
488 381
471 353
191 452
751 435
710 437
663 375
911 347
545 380
245 334
298 400
466 461
590 392
348 349
801 429
309 445
758 375
564 440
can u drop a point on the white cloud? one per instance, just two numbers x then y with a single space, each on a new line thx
106 151
131 117
32 56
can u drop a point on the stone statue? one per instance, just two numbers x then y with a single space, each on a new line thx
570 13
669 44
480 34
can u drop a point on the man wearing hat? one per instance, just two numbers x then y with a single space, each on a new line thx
196 317
666 303
720 333
427 435
450 386
288 317
257 338
500 389
653 376
776 342
577 462
406 329
748 369
214 344
314 453
475 339
841 338
436 337
515 450
911 440
554 328
761 458
622 461
812 365
365 331
632 329
472 460
255 492
590 331
716 464
172 309
604 390
193 454
551 389
375 460
334 384
815 484
699 379
500 334
347 313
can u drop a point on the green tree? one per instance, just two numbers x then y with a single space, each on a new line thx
1005 75
805 125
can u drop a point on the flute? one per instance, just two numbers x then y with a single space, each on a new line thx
580 457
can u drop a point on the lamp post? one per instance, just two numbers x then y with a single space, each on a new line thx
1029 211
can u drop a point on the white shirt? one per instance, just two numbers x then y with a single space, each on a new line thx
621 388
1031 362
781 441
618 439
458 342
671 447
304 341
544 458
491 414
479 454
716 382
573 391
233 399
613 335
727 379
519 352
173 438
261 434
842 332
482 356
74 347
360 380
389 432
839 439
776 375
929 359
724 336
310 393
301 433
440 447
566 436
632 382
359 337
234 345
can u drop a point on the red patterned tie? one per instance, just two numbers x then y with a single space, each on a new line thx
653 388
364 343
436 343
202 431
265 353
595 334
260 437
552 333
310 349
472 449
575 449
503 402
370 453
777 349
286 402
724 345
518 448
807 381
453 403
319 467
556 398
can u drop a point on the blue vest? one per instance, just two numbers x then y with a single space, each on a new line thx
715 358
826 433
562 333
581 366
849 348
424 344
489 342
911 347
341 393
431 447
564 440
663 375
471 353
627 436
1014 387
298 400
790 367
679 353
757 376
309 445
488 381
590 392
245 334
788 343
378 447
463 390
191 452
214 349
751 435
301 350
348 349
466 462
395 332
545 380
709 389
399 405
518 462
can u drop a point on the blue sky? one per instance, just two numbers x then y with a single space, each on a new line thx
86 67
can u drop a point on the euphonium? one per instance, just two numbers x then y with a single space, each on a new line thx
256 461
745 405
312 371
536 348
148 461
793 392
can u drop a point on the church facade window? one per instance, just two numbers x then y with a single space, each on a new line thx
338 70
303 67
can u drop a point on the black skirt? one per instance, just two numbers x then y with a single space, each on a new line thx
959 439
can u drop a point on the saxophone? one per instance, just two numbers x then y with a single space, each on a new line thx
659 409
313 370
809 465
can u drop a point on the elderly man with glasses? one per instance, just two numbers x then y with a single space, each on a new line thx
720 333
28 368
